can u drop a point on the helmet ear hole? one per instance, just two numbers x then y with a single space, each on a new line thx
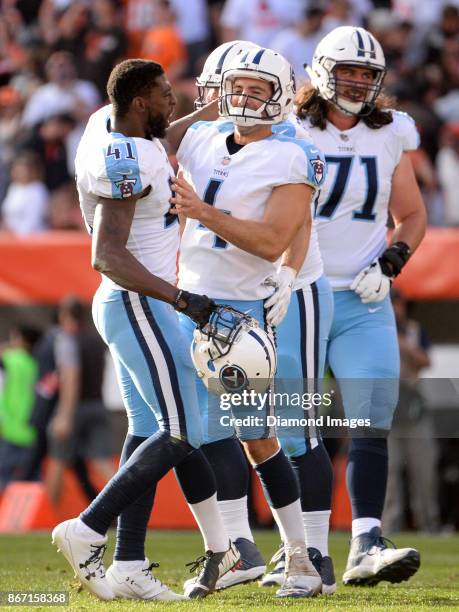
210 365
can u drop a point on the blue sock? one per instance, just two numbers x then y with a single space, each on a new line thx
279 482
366 476
230 468
144 468
314 471
132 522
195 477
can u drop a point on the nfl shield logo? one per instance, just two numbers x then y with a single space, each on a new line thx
318 166
226 160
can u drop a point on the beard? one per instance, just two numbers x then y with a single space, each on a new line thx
156 126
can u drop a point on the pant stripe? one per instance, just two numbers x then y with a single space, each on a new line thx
155 361
172 370
270 430
309 326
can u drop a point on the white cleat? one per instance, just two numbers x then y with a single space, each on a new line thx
84 550
370 561
211 567
301 577
250 568
140 583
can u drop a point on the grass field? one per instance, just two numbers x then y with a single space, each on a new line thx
29 562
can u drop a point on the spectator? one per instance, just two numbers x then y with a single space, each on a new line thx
448 173
62 94
105 44
163 44
346 12
258 20
10 121
411 442
193 25
25 205
64 208
50 140
16 402
298 44
79 426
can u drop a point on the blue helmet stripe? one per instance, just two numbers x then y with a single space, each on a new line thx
361 45
372 47
258 56
219 67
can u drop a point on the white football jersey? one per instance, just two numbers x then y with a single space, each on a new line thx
313 267
352 206
110 165
240 185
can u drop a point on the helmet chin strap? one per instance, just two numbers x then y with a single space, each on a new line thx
349 108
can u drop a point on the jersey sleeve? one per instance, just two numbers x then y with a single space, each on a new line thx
189 142
406 131
308 165
126 169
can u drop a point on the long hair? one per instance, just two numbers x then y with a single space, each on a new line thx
309 104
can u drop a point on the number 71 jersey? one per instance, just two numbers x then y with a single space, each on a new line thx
352 208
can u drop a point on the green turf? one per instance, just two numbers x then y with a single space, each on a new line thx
29 562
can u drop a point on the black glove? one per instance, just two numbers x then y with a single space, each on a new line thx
197 307
394 258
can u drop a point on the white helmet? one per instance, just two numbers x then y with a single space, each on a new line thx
265 64
351 46
232 353
211 75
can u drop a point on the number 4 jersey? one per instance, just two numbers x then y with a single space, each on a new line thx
239 185
110 165
352 207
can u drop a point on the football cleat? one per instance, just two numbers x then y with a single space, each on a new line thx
301 577
84 552
250 568
211 566
140 584
370 561
276 576
324 565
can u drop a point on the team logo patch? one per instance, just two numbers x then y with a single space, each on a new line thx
318 166
126 186
233 378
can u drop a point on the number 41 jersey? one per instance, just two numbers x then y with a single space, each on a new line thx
239 185
352 207
111 165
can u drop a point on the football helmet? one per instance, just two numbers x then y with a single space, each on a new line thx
232 353
352 46
211 75
267 65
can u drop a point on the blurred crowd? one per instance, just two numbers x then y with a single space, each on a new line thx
56 55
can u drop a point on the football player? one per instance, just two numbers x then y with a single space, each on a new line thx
242 191
301 347
370 176
123 179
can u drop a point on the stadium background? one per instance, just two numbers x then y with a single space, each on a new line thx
55 57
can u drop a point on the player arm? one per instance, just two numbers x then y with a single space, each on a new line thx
296 252
176 131
287 210
406 206
112 224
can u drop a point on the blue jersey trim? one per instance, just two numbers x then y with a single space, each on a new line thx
122 167
314 157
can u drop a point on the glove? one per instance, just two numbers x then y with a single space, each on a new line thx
277 304
371 284
197 307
